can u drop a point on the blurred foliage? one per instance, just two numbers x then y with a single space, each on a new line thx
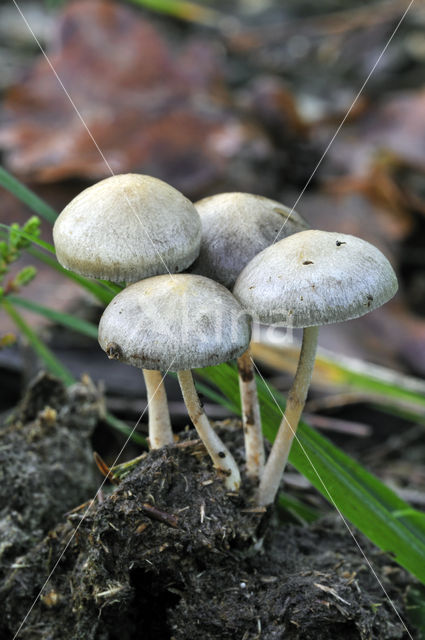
180 9
16 240
416 609
191 11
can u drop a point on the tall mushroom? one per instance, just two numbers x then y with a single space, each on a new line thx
307 280
177 324
123 229
235 228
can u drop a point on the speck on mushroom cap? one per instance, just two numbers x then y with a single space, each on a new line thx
174 323
315 278
121 227
237 226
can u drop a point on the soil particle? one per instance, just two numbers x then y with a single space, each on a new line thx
169 554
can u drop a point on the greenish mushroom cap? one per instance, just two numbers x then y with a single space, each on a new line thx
126 228
315 278
174 323
237 226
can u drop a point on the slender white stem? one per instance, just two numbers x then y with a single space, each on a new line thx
221 456
160 431
251 418
278 457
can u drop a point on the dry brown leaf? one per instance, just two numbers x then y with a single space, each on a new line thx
149 106
387 136
398 126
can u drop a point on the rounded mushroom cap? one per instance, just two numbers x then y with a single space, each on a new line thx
126 228
237 226
314 278
173 323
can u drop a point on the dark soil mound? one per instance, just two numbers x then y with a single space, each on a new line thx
46 465
169 554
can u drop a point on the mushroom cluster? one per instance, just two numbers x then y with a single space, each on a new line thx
123 229
245 257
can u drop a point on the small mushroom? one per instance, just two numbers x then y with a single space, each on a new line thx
126 228
177 324
235 228
307 280
123 229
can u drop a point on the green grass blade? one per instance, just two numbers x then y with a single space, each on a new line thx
5 228
375 379
96 289
123 428
182 9
372 507
416 517
111 286
415 609
361 498
64 319
392 389
27 196
51 362
298 509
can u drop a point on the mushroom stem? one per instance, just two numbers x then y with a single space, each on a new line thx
251 418
160 431
297 395
221 456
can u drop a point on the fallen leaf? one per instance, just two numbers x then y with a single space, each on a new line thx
150 106
398 126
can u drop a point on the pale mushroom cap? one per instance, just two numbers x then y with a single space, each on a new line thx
314 278
126 228
174 323
237 226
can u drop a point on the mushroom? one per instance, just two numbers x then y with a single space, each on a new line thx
123 229
126 228
235 227
307 280
177 324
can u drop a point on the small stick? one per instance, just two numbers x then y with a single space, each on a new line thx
158 514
